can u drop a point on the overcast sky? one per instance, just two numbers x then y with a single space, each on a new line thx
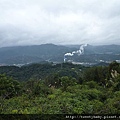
28 22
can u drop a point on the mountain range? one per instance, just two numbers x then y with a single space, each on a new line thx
55 53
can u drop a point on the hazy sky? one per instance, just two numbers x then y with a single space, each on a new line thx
27 22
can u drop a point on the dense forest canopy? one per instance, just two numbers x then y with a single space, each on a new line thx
60 89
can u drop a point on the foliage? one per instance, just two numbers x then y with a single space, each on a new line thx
59 94
8 87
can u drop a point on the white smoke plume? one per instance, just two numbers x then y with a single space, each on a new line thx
79 52
69 54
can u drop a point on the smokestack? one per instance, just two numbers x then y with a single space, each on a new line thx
64 59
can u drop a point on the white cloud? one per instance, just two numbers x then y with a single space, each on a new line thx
61 22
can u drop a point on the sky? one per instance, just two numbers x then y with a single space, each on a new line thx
34 22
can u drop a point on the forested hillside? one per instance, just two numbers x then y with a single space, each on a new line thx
32 54
60 89
40 71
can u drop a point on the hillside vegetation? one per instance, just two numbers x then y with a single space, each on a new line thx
60 89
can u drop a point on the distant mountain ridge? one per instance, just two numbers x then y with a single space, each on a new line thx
34 53
55 53
103 49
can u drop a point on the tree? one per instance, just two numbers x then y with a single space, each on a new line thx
8 86
114 66
66 81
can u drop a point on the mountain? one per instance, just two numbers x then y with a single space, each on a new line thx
99 49
55 53
34 53
102 49
96 54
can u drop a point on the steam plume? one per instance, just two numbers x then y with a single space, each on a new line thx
79 52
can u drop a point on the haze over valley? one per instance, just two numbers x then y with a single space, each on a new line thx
78 54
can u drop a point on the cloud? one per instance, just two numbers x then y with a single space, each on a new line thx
27 22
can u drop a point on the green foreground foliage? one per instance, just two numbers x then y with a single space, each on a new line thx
94 90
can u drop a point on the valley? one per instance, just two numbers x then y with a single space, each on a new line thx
76 54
